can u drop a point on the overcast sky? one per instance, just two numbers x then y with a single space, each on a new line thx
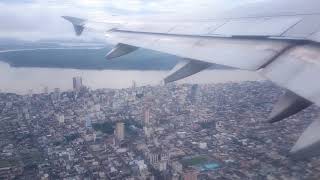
40 19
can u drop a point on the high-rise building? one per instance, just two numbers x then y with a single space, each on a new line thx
45 90
193 93
134 84
147 117
30 92
154 157
177 167
88 122
147 131
56 94
27 116
162 165
60 118
57 90
94 137
190 174
119 132
77 83
203 145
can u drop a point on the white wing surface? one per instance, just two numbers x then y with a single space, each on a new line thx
278 39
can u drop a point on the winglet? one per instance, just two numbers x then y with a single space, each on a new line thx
77 23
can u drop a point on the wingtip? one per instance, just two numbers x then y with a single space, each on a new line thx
74 20
77 23
68 18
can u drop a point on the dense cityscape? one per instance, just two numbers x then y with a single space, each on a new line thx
171 132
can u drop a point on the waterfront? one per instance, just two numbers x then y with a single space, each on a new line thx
21 80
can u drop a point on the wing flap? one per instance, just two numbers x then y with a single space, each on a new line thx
296 69
305 28
267 27
249 54
274 26
186 68
308 144
120 50
196 28
288 105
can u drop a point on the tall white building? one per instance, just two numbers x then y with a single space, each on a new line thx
56 94
147 117
88 122
147 131
119 132
60 118
77 83
134 84
46 90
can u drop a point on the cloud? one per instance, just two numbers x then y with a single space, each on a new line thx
36 20
39 19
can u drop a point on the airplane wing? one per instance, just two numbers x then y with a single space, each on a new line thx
280 40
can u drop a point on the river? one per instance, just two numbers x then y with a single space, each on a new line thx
22 80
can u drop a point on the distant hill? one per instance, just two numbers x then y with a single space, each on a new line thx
84 58
10 43
89 59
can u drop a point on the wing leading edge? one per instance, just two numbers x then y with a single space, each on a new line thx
285 49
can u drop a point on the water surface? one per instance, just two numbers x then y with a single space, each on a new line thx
22 80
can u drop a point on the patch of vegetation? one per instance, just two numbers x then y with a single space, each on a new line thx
208 125
133 123
31 167
109 127
197 160
32 157
106 127
24 137
130 130
57 143
89 59
71 137
7 163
